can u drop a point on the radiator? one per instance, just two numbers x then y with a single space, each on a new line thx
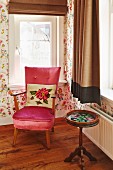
102 134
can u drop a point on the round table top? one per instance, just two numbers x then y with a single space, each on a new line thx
82 118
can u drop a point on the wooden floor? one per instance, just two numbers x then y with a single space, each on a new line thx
30 152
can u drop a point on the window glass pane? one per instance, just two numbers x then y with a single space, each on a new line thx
35 44
111 51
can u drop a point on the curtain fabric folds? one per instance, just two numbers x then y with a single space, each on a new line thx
40 7
86 71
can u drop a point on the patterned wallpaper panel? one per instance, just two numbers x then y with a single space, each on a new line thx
3 59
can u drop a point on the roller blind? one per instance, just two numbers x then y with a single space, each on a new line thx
40 7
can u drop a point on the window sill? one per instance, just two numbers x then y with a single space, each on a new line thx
22 87
107 94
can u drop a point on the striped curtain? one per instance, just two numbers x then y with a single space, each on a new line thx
86 71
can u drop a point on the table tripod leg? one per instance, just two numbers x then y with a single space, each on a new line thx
88 154
82 160
72 155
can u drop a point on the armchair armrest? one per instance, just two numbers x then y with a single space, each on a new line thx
15 99
53 104
16 94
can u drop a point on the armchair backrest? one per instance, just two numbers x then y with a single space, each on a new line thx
42 75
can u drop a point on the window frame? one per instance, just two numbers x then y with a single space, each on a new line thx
106 51
57 38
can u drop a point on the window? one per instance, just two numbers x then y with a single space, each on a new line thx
35 41
106 47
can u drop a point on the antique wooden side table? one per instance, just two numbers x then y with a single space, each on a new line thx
81 119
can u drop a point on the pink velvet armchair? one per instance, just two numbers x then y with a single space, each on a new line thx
39 111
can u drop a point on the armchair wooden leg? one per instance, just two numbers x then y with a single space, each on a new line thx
15 136
53 129
48 138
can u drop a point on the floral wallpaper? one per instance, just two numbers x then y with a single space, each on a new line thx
4 103
68 40
63 101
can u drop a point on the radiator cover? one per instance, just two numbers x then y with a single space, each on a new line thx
102 134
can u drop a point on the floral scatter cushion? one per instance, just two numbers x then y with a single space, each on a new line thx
40 95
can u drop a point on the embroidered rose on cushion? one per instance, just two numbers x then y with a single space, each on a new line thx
40 95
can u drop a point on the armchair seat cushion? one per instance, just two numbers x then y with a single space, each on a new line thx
35 114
